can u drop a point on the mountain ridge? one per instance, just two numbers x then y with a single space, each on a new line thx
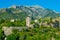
20 12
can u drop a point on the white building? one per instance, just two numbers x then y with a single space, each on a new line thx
12 20
7 30
28 21
35 21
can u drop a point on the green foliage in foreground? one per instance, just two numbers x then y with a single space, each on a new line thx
2 36
41 33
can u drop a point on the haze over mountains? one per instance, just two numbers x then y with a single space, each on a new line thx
21 12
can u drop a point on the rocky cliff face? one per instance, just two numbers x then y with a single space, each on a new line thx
21 12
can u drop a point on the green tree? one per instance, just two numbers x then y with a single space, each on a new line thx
2 36
13 37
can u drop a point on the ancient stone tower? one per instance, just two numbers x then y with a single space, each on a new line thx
28 21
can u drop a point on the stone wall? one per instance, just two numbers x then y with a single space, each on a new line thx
8 30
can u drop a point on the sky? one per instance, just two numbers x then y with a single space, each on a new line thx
50 4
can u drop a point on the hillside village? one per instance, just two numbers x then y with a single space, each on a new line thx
46 22
29 23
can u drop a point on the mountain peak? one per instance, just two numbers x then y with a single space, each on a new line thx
13 6
37 6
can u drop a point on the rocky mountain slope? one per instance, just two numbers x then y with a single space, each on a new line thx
21 12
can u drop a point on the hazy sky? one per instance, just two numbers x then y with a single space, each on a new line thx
51 4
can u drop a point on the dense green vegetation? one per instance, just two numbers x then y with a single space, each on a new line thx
8 23
41 33
2 36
